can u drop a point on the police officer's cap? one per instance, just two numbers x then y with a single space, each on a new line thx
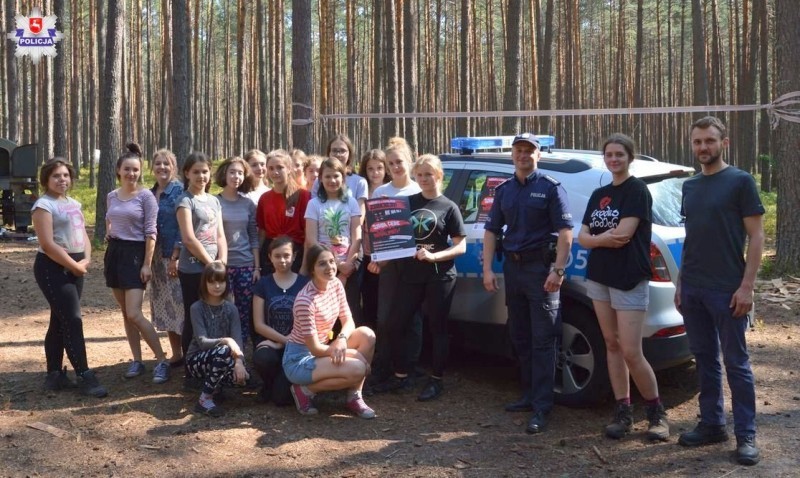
526 138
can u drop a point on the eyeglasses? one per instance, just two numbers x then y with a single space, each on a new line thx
339 151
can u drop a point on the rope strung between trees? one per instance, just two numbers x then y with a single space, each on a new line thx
786 107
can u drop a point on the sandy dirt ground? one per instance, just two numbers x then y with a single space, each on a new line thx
142 429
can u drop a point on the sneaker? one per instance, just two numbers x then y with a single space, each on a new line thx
394 384
303 402
161 372
89 385
747 451
58 380
432 390
360 408
621 423
657 427
211 409
135 369
704 434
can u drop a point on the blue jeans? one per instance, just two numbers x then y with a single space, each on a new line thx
710 327
534 323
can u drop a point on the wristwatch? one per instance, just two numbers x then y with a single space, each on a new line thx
559 272
342 336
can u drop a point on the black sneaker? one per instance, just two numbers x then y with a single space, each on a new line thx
657 426
89 385
621 423
212 411
394 384
432 390
704 434
58 380
747 451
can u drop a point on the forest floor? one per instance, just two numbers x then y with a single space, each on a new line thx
142 429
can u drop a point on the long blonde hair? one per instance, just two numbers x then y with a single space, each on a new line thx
292 186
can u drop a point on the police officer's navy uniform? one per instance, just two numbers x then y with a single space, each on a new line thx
533 212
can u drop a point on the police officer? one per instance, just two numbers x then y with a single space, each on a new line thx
533 208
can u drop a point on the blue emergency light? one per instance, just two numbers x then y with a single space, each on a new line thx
470 144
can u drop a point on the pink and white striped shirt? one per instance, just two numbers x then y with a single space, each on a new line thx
316 311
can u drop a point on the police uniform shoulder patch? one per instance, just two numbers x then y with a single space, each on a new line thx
551 179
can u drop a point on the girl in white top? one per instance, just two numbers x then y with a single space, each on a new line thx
64 256
399 159
257 161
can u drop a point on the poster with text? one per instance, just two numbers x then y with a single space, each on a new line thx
389 229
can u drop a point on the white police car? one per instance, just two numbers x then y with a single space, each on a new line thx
472 173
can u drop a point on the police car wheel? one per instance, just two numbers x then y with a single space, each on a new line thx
581 370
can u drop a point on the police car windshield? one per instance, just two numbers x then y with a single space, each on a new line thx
667 201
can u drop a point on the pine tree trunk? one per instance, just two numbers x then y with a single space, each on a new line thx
700 77
511 89
110 107
12 77
302 87
410 70
787 52
181 118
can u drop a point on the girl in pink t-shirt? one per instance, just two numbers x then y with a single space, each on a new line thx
315 360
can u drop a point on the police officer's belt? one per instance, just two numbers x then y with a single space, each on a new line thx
544 254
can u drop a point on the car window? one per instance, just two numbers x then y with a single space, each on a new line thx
448 175
667 201
476 201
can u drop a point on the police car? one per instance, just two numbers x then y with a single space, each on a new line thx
476 166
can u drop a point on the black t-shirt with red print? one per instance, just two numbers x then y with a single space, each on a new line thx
626 266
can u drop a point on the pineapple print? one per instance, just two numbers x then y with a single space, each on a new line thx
336 222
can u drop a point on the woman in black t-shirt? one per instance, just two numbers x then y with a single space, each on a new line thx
429 277
616 228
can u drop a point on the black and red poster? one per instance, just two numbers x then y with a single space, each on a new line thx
389 228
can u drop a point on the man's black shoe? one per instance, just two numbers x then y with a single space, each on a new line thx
704 434
432 390
536 424
394 384
521 405
747 451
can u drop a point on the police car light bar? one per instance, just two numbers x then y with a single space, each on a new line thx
471 144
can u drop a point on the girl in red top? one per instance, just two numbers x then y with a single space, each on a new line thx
281 211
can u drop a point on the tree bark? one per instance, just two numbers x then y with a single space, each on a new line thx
700 77
181 118
511 89
60 120
410 70
12 77
787 52
464 87
302 87
110 135
391 126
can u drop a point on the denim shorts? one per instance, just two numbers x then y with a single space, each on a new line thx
298 364
635 299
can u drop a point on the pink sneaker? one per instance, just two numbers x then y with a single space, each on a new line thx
360 408
303 401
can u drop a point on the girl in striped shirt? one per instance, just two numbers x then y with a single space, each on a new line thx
314 360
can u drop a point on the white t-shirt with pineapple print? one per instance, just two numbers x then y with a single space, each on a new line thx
333 222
